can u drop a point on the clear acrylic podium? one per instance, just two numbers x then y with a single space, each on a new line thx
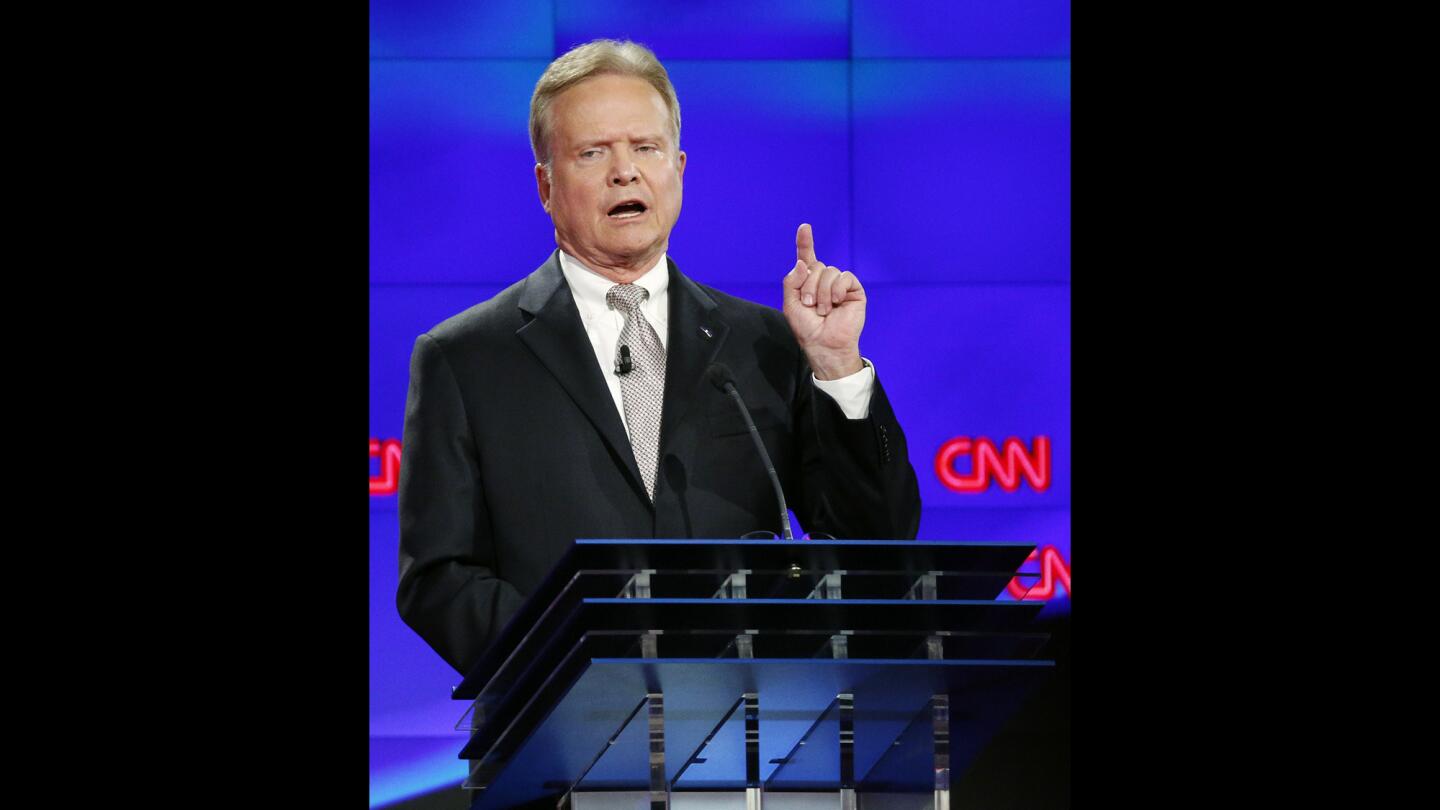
744 673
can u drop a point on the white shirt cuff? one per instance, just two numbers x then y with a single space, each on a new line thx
851 393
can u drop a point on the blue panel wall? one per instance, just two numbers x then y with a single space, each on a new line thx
452 184
712 29
461 29
962 170
963 29
927 142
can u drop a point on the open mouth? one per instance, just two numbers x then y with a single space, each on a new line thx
627 210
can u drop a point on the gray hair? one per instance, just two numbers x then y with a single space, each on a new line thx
598 58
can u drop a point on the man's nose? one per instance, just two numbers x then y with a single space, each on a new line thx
623 171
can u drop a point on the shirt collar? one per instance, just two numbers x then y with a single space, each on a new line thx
590 288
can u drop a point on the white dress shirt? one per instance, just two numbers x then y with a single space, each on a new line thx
603 325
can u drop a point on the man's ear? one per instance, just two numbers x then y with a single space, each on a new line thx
681 166
542 184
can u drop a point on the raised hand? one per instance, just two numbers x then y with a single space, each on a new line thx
825 308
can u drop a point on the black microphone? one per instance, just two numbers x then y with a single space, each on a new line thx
721 377
623 365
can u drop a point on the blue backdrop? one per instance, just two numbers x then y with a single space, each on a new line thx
927 142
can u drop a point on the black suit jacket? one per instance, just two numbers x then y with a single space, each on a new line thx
513 448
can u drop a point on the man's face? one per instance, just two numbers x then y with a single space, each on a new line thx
614 187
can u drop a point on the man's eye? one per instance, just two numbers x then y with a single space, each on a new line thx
590 153
647 148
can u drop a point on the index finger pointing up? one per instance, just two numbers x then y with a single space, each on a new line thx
805 244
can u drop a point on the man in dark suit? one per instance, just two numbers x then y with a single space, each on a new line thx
575 404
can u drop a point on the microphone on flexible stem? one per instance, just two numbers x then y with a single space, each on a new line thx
722 378
623 365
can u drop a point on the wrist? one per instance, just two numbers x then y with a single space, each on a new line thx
835 366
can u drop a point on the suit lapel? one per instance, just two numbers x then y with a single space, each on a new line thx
696 334
557 337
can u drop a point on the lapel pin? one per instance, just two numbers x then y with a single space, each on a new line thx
706 331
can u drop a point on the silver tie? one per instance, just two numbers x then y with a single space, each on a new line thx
642 389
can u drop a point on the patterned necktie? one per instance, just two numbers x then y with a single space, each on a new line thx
642 389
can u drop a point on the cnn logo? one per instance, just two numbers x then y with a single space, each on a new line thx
1005 465
388 480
